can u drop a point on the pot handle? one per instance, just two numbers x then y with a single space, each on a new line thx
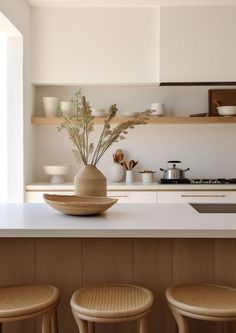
186 170
162 169
174 162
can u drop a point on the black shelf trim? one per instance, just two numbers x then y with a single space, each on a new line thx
223 83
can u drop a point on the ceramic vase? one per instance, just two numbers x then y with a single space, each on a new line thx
116 173
90 181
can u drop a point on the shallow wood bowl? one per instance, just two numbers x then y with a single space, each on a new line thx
78 205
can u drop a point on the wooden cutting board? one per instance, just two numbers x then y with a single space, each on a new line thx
224 96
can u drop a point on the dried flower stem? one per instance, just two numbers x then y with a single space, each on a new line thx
81 125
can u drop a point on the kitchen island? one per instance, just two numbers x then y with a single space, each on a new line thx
150 245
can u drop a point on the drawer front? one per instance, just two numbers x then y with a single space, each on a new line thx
133 197
197 197
31 196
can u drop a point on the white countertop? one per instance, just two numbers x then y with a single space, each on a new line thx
136 186
126 221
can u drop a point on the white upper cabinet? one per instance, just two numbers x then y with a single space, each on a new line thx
95 45
198 43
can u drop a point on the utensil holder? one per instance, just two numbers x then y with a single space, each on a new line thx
129 177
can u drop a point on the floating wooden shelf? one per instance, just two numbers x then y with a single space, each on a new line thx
156 120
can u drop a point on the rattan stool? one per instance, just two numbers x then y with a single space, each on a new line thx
22 302
111 304
204 302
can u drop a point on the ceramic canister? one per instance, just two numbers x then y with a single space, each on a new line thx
50 106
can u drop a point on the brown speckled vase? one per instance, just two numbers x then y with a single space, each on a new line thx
89 181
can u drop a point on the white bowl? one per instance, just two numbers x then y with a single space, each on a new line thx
57 172
226 110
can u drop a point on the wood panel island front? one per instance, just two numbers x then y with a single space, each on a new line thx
151 245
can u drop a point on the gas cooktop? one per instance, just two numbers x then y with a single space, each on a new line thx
202 181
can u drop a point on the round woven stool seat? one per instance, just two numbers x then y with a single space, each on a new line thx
208 300
112 301
203 302
25 300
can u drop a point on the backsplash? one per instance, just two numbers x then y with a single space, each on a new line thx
205 149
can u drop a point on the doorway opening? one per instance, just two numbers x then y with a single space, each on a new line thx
11 112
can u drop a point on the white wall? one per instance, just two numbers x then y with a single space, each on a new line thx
19 13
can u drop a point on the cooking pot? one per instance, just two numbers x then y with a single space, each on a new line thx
173 172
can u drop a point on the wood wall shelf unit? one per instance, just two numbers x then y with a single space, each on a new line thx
159 120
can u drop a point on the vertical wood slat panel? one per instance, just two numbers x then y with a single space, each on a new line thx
17 262
225 272
59 262
108 261
147 262
193 262
153 270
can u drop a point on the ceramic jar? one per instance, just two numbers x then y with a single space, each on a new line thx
147 177
66 108
50 106
90 181
116 173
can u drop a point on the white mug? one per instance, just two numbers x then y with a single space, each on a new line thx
65 108
50 106
158 109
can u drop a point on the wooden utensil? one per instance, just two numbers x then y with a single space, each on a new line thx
132 164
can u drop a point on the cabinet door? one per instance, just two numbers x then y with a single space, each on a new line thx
37 197
196 197
95 45
197 43
133 197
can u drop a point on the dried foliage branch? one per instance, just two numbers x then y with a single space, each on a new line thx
80 125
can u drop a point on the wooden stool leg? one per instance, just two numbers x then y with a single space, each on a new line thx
181 321
46 322
91 327
0 327
143 325
54 322
82 324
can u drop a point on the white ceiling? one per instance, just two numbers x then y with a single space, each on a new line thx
124 3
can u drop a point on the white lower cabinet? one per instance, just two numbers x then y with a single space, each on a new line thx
37 196
196 197
124 197
134 196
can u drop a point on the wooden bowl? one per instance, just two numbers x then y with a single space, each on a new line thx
78 205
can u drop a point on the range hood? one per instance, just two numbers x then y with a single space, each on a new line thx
220 83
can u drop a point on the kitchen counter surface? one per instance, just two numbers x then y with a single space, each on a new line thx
121 221
137 186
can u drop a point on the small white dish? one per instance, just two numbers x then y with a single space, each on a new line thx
57 172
